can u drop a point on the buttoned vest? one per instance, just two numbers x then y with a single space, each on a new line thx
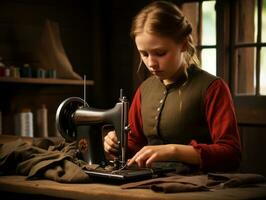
175 113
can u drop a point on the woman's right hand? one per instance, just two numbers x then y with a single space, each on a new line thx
111 144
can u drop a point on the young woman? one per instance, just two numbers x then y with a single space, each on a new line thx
180 113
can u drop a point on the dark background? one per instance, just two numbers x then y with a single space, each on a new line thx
95 36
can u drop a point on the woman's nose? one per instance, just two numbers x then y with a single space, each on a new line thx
152 62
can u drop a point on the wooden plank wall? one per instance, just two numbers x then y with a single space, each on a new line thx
21 23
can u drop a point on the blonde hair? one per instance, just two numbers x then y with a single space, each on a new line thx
167 20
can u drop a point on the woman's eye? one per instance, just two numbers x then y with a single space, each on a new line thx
157 53
144 54
160 53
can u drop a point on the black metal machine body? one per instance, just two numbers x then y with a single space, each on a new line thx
75 120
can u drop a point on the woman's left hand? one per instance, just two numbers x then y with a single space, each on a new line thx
149 154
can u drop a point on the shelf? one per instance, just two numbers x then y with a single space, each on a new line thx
45 81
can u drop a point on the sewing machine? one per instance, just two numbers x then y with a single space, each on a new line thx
77 121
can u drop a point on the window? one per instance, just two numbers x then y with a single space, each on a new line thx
248 40
249 48
204 24
208 46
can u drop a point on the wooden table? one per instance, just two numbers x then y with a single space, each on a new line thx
17 187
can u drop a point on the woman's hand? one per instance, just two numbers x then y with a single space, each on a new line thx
169 152
148 154
110 144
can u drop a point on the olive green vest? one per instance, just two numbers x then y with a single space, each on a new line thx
176 113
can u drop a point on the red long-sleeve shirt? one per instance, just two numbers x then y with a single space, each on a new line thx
225 151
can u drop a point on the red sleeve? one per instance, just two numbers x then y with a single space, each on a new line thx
225 152
136 138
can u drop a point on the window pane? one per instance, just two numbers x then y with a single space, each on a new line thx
208 60
263 34
245 71
208 21
263 71
247 21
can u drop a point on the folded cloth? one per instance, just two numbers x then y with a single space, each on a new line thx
58 162
176 183
229 180
203 182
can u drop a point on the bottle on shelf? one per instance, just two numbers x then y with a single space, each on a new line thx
26 71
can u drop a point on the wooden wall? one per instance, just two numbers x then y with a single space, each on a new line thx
95 36
21 23
254 148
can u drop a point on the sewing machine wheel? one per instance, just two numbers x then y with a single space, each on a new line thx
64 123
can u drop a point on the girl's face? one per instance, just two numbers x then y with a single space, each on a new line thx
162 56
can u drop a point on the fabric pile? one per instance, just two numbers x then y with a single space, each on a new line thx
46 158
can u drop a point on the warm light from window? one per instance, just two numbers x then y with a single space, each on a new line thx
208 60
209 23
263 33
208 55
263 72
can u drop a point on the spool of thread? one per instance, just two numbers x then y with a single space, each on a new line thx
24 123
42 124
7 72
